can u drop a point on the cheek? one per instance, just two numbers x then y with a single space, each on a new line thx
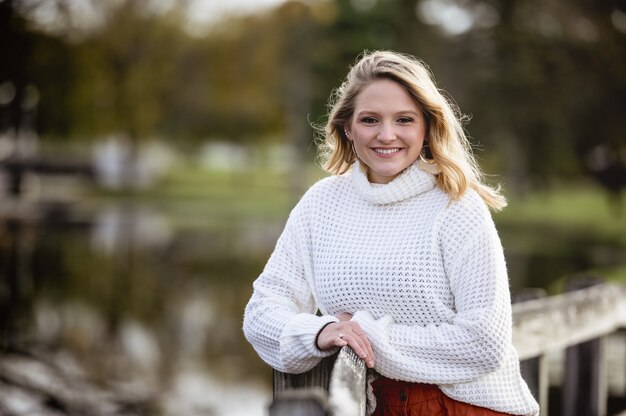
357 131
359 136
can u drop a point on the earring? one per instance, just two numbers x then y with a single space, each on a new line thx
426 161
426 155
423 159
345 131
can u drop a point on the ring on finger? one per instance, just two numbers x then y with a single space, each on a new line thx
341 335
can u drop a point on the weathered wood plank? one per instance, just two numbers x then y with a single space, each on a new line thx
347 384
340 378
535 370
311 401
585 390
556 322
535 373
318 376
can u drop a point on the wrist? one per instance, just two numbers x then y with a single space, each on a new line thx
319 332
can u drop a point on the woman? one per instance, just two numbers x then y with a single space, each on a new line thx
398 252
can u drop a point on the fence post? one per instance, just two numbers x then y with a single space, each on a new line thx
535 373
584 387
301 402
585 390
535 370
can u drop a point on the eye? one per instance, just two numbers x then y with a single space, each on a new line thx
405 120
368 120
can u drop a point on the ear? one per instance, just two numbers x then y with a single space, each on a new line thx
346 131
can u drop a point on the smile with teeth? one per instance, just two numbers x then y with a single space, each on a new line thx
387 151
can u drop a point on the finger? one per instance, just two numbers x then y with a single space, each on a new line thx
356 343
359 332
343 334
340 340
356 328
371 358
365 342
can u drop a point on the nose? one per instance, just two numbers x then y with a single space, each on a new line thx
386 133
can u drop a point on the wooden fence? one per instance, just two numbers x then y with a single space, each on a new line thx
578 322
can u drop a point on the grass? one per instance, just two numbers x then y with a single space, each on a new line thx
192 197
190 190
578 223
579 208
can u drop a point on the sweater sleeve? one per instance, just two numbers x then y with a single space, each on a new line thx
475 341
279 320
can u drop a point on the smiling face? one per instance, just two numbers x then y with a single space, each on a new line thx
387 128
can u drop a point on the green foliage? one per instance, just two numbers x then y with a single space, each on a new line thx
545 81
126 70
583 208
550 235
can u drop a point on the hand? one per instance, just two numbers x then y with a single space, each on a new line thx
345 316
346 332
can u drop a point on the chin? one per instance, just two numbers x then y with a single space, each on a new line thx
391 172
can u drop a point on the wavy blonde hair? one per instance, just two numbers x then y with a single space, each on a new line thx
450 150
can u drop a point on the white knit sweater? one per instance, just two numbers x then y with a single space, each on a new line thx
424 277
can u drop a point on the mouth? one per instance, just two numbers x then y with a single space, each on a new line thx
386 150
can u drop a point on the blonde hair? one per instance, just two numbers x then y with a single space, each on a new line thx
450 150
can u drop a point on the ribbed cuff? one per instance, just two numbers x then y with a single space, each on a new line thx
297 341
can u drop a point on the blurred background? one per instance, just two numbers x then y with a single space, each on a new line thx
151 150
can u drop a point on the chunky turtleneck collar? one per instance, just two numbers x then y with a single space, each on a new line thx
413 181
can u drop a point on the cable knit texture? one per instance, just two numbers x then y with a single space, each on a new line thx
424 277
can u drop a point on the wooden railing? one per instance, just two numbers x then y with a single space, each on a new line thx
577 321
334 387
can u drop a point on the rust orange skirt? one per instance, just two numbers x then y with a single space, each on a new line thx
401 398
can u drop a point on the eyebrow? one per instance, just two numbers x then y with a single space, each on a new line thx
365 112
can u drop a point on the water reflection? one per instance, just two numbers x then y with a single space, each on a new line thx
117 228
150 315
